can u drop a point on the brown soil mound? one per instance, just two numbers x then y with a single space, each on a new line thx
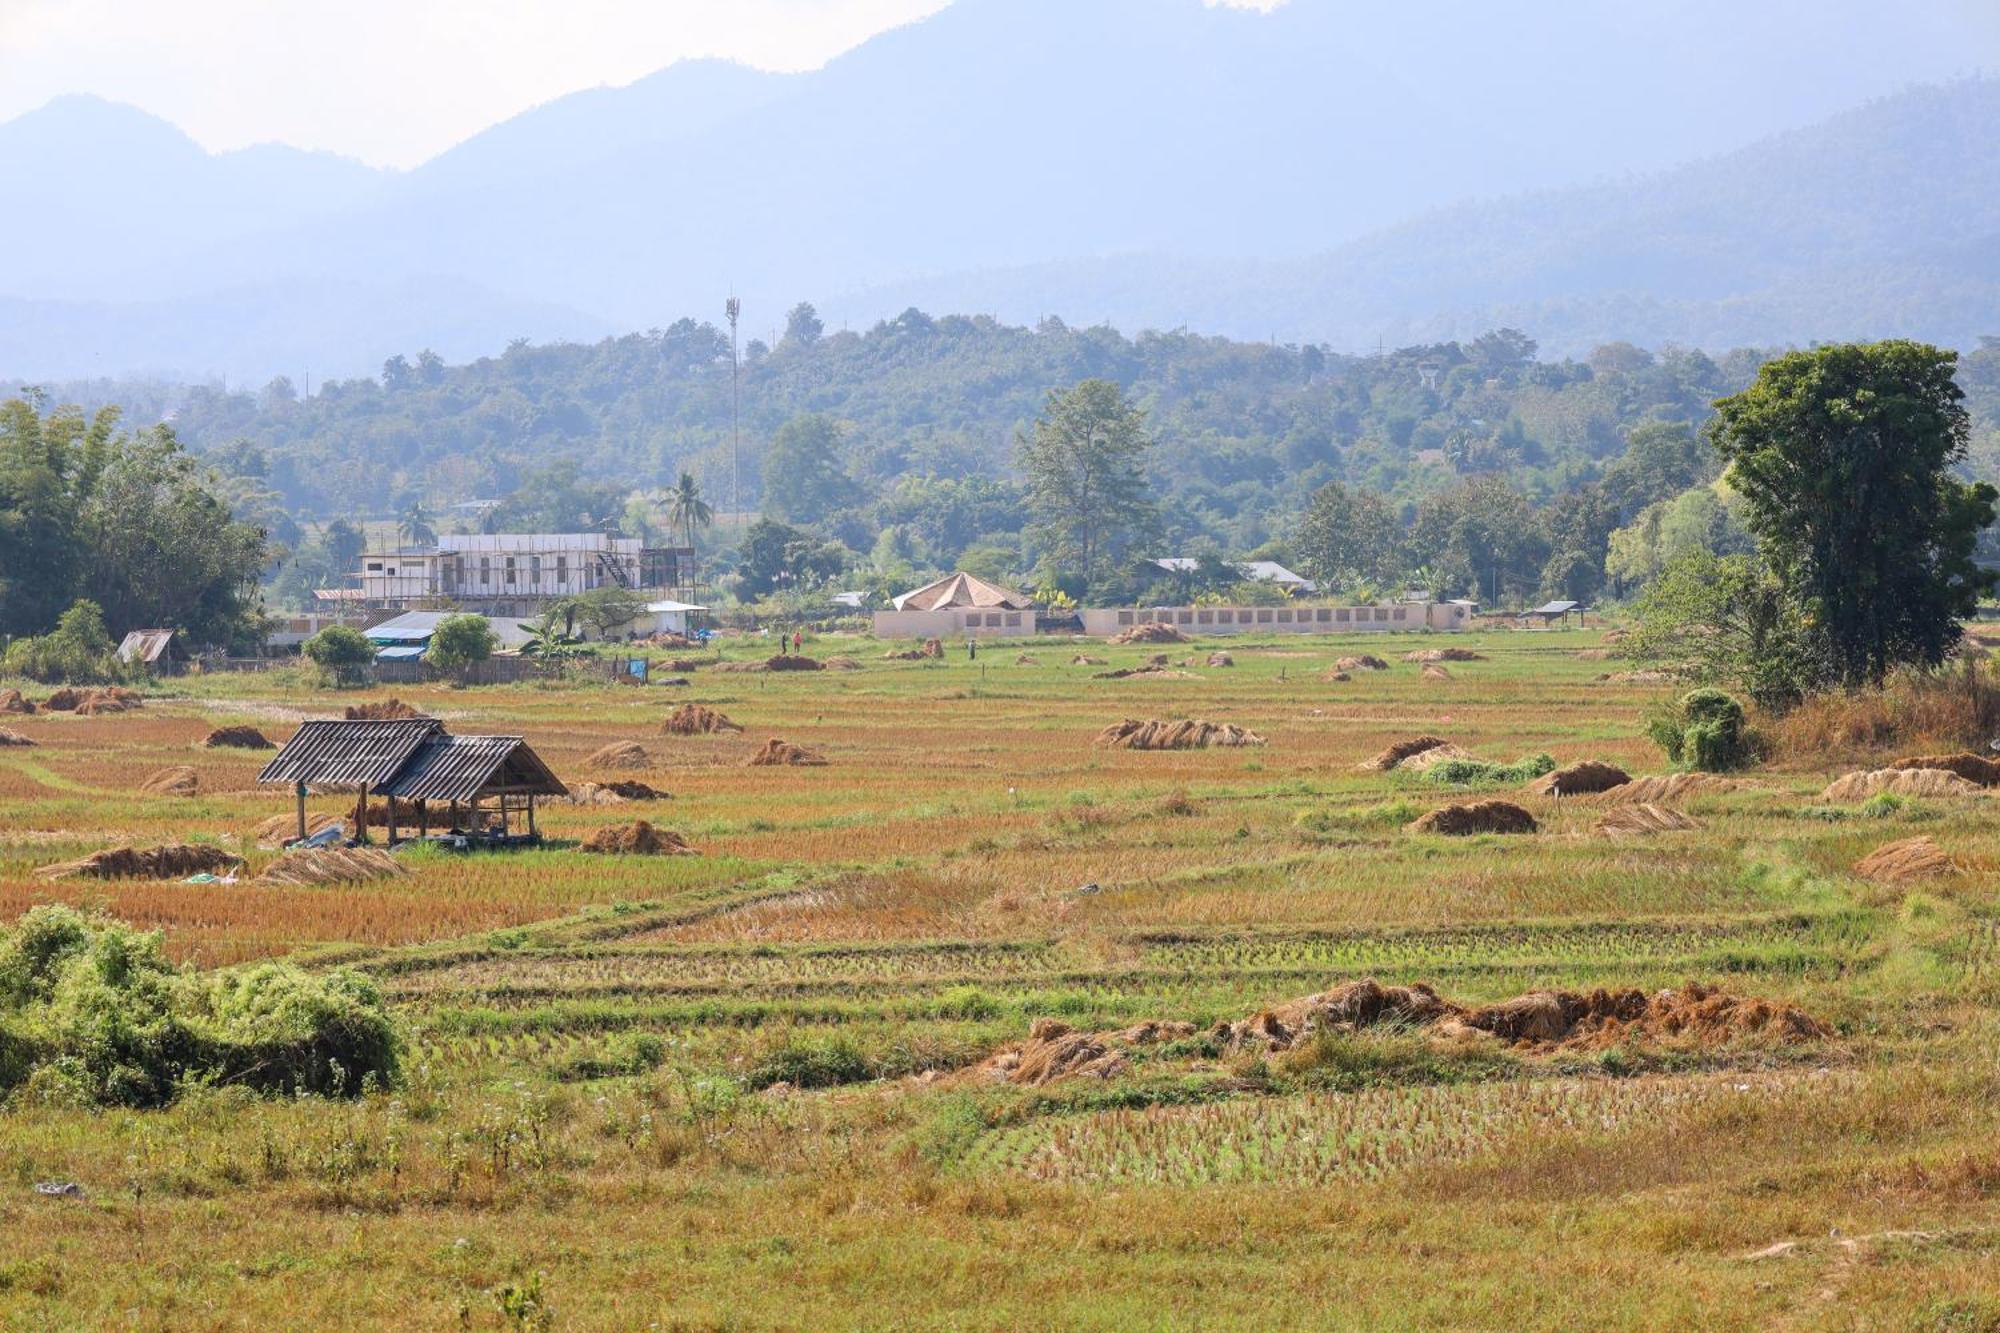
1444 655
697 720
388 710
1221 660
1898 782
281 829
237 738
1458 821
614 793
788 662
775 753
175 861
1400 751
637 839
1911 858
10 737
1085 659
1150 632
1640 819
1054 1050
1580 779
1432 671
1362 662
1186 734
333 865
1972 767
13 701
180 780
620 755
1667 787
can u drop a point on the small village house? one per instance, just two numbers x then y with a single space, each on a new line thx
957 604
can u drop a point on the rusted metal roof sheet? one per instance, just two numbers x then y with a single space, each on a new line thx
348 755
146 645
458 768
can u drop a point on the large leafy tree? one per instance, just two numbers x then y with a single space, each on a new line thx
1843 456
803 478
1348 536
1089 502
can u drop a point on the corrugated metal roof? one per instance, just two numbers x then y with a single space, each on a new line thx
340 754
145 645
457 768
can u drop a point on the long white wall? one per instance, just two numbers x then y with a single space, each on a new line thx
1202 620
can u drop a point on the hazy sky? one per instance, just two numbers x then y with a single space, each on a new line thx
395 81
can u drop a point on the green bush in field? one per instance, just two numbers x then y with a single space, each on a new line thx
342 653
1703 730
93 1013
1473 772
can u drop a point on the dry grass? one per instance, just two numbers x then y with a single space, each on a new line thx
1957 708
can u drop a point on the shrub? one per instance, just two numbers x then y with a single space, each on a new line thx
1703 730
812 1065
460 641
1470 772
79 651
92 1013
342 654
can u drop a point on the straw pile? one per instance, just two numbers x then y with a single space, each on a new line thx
180 780
740 668
332 865
1640 819
1972 767
697 720
615 793
637 839
13 701
1433 672
1580 779
775 753
1898 782
388 710
1444 655
1336 677
281 829
1085 659
1186 734
1458 821
97 699
840 662
788 662
1054 1050
1667 787
1401 751
1637 678
10 737
929 648
1361 662
237 738
1150 632
620 755
173 861
1221 660
1911 858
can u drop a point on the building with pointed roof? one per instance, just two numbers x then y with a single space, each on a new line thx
959 603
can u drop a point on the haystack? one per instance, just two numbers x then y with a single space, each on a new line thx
1144 673
1221 660
180 780
1972 767
1186 734
10 737
1433 672
1336 677
1692 1015
840 662
637 839
1580 779
1027 659
332 865
1055 1051
697 720
741 668
1899 782
1667 787
96 699
1444 655
1396 754
1458 821
237 738
1637 678
13 701
1350 1006
281 829
684 665
1152 631
928 649
775 753
173 861
1910 858
1085 659
620 755
790 662
1361 662
1640 819
388 710
614 793
98 704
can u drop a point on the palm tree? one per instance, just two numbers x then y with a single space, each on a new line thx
687 510
415 526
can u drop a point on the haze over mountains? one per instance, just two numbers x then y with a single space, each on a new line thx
1325 172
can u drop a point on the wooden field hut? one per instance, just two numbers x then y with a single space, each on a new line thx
416 765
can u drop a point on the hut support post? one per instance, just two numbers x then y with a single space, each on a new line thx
423 820
531 816
302 811
361 815
392 821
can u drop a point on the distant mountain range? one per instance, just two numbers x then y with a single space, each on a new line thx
1299 174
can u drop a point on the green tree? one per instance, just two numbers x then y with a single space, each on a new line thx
775 554
1347 536
802 326
78 651
344 545
1725 620
688 512
342 654
414 526
1482 534
803 478
460 641
1088 499
1843 456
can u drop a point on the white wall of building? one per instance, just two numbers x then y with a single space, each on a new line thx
953 622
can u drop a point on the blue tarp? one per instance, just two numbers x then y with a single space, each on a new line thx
409 654
403 634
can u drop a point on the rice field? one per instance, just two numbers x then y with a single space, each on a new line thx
747 1089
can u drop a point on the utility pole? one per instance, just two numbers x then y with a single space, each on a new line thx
734 309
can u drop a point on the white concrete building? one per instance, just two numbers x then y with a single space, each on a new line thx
958 604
